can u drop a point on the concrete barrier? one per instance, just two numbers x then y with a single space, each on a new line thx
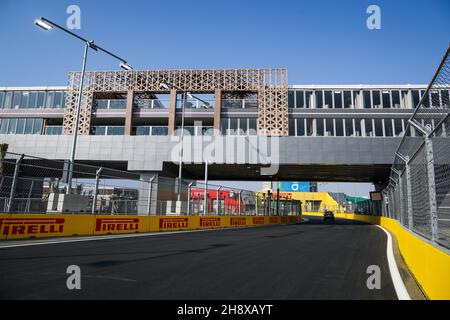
20 226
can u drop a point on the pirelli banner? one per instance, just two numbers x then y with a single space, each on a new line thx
16 226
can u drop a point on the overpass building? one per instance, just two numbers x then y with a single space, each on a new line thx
128 121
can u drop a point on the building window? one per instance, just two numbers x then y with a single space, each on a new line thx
339 128
8 100
395 99
292 127
4 125
319 99
309 127
2 97
320 132
425 99
160 131
99 130
252 129
355 99
32 100
369 127
242 126
329 127
20 126
299 99
24 99
338 99
376 99
115 130
366 99
378 127
445 98
37 126
142 131
224 126
301 127
57 100
398 127
388 129
29 126
291 100
53 130
358 132
233 126
415 98
308 98
40 99
349 127
435 101
16 99
328 99
386 99
347 99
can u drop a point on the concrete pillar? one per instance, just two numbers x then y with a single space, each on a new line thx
129 113
172 112
217 110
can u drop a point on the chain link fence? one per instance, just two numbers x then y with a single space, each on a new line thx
418 194
37 185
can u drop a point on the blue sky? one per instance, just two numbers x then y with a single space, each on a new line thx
318 41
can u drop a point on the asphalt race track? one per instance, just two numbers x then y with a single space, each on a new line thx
311 260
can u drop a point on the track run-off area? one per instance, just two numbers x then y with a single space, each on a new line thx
309 260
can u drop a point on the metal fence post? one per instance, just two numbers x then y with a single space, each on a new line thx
150 191
189 199
28 205
14 183
431 188
409 192
239 203
218 200
97 180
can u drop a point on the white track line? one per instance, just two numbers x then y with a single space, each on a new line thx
399 286
110 237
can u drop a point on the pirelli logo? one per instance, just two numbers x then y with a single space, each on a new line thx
273 220
173 223
258 220
14 226
237 221
116 224
209 222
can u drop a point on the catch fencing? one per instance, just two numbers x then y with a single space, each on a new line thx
37 185
418 194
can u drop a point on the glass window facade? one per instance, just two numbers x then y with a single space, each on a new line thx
238 126
20 125
347 127
32 99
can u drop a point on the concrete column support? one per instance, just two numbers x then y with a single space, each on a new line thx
172 111
217 110
129 113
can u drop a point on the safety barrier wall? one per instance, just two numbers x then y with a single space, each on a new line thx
17 226
429 265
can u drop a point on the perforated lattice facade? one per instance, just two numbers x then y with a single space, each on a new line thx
270 84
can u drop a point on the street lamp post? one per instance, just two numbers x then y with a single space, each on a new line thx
48 25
